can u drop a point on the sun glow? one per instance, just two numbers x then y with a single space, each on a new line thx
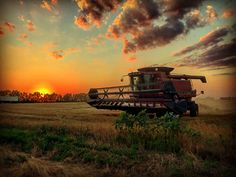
43 89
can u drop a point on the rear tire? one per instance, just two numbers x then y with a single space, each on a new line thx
193 110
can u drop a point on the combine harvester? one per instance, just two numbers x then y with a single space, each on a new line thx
150 88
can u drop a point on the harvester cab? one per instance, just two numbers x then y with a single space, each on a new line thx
152 88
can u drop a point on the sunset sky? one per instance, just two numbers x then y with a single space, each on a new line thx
70 46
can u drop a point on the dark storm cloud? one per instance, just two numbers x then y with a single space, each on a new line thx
178 8
139 20
222 55
234 27
210 39
194 19
144 24
136 15
155 36
218 56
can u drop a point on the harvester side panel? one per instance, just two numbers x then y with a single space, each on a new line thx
183 88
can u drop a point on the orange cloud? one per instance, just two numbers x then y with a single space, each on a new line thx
211 13
132 59
81 22
209 40
228 13
30 25
50 6
58 54
10 26
54 2
24 39
215 34
93 12
46 5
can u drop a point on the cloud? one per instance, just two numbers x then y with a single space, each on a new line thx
132 59
82 22
23 36
211 13
146 24
71 50
211 38
1 32
135 15
223 55
194 18
154 36
54 2
178 8
10 26
212 51
227 13
58 54
46 5
97 40
226 74
24 39
30 25
21 18
92 12
50 6
49 46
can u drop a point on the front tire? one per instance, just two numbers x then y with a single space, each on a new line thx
194 109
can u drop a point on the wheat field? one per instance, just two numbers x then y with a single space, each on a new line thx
211 155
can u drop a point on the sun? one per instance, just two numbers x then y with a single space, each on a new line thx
43 91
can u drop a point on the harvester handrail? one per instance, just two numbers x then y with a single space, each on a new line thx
113 87
128 92
127 86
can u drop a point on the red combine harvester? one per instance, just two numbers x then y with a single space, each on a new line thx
150 88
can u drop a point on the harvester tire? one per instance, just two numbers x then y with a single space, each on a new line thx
92 93
193 110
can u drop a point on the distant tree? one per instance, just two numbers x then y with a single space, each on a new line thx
15 93
68 97
5 92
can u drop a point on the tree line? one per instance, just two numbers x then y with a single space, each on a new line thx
37 97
